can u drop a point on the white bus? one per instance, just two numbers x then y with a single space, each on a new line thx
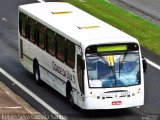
93 64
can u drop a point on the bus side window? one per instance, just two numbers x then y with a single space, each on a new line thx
23 24
80 73
31 30
50 43
60 53
41 35
70 54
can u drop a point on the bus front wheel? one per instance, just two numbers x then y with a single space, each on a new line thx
37 73
70 95
70 98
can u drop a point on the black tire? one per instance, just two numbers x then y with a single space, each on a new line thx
37 74
71 98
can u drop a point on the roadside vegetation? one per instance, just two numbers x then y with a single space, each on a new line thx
146 32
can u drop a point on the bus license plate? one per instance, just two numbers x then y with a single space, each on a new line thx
116 102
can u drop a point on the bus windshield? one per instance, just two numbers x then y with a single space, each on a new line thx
119 69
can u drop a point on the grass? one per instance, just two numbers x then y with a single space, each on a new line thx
146 32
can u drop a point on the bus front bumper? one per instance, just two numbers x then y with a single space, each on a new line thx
93 103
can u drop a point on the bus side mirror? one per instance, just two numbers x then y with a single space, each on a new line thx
144 62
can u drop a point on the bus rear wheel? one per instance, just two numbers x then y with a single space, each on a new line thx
37 74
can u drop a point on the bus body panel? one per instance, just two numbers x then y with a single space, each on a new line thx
49 68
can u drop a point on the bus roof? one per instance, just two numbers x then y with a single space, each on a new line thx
75 24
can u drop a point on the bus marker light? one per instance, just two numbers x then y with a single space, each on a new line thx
62 12
103 98
87 27
98 97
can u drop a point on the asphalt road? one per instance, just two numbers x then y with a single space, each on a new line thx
149 6
148 9
9 61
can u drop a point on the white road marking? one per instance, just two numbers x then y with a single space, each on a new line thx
4 19
153 64
10 107
58 115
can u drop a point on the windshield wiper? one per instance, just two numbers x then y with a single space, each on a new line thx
120 62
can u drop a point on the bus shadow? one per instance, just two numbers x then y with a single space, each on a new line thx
98 114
